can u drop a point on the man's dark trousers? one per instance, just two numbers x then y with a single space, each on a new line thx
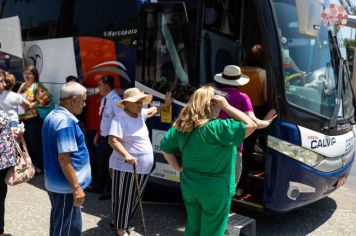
66 219
103 180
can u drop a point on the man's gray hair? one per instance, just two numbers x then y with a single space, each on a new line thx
72 89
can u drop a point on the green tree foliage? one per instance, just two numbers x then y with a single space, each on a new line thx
350 45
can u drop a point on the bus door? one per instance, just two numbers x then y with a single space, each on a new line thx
11 50
164 63
219 45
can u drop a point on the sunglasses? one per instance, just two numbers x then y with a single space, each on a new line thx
220 93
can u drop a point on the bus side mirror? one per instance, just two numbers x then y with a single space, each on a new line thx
309 17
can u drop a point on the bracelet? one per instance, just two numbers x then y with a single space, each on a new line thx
76 187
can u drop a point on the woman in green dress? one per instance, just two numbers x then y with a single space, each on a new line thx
208 147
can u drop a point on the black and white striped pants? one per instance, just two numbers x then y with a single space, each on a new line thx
124 196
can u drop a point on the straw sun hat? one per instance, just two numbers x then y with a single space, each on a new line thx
232 76
134 95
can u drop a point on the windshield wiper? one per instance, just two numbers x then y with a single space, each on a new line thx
352 117
338 99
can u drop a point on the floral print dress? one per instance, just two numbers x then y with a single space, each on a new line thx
7 143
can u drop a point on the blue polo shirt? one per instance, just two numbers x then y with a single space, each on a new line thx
61 133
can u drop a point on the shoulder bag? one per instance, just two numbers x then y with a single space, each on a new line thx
24 170
44 111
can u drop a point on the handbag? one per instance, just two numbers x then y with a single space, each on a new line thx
44 111
24 170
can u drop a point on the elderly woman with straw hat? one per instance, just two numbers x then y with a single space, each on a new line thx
130 141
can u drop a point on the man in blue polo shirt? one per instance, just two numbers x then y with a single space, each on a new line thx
66 161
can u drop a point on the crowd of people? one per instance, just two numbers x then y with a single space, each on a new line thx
208 133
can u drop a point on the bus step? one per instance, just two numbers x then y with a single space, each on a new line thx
259 157
253 204
239 224
257 174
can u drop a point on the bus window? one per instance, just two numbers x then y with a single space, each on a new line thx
166 55
221 17
220 43
191 7
39 19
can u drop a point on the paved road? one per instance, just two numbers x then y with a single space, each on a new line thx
28 210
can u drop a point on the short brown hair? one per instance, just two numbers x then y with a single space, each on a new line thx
2 74
32 69
10 81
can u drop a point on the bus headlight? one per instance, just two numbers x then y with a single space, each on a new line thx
293 151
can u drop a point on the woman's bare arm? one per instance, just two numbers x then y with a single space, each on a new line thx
117 146
236 114
154 110
173 161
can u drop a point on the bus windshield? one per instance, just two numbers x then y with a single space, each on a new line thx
310 72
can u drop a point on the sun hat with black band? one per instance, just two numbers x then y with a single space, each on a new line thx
232 76
134 95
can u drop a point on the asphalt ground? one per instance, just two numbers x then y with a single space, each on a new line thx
28 209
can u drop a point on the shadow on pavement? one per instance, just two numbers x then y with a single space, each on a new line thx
160 218
101 229
38 182
299 222
169 218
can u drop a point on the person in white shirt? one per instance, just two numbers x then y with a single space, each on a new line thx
102 181
130 141
12 103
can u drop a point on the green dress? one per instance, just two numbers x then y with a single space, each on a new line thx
208 177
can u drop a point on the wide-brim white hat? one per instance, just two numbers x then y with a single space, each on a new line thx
232 76
134 95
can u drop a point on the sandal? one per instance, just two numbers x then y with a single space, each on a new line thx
246 196
121 232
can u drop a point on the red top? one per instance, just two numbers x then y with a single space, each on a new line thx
92 118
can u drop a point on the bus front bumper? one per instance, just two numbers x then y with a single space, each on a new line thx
290 184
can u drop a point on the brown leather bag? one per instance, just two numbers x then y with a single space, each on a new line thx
24 170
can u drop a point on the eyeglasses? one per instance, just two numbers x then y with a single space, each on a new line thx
220 93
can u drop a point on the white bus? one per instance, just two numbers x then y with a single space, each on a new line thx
180 45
